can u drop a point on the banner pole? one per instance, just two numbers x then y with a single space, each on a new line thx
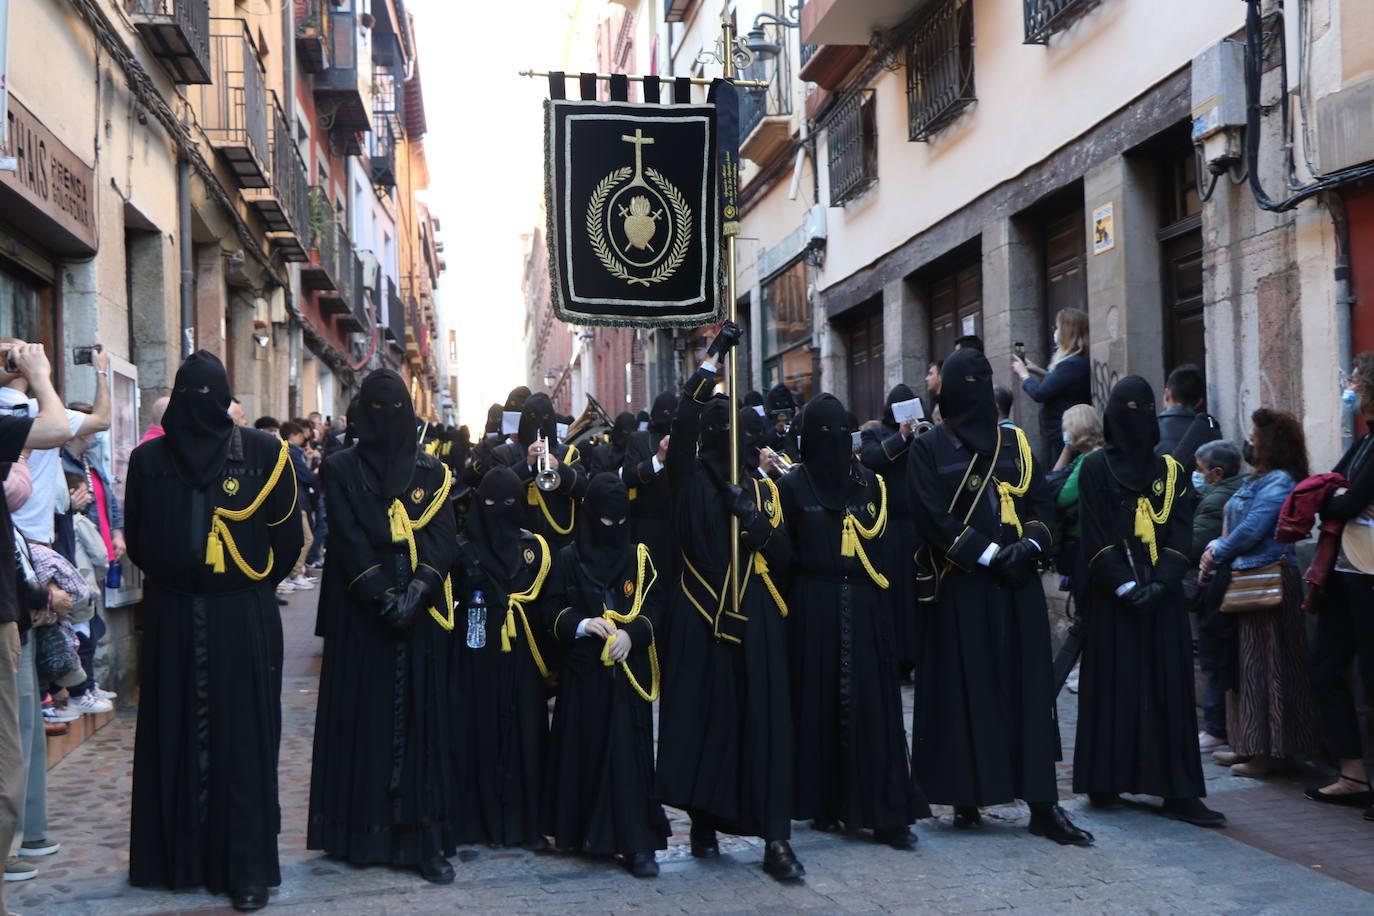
727 28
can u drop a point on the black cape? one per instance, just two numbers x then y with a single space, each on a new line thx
650 501
725 721
498 698
379 778
600 776
209 714
850 752
983 728
1137 719
885 452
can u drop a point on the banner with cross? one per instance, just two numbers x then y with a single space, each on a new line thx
634 212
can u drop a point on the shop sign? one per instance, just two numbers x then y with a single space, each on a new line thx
49 178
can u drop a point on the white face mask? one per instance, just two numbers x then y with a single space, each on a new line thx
1055 337
1199 480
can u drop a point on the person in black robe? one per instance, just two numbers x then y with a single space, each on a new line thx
602 605
883 450
725 722
379 779
983 728
851 757
609 456
1137 719
650 502
780 407
500 665
549 513
211 519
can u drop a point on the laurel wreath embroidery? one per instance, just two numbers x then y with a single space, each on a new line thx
682 216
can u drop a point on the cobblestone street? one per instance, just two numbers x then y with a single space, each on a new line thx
1282 854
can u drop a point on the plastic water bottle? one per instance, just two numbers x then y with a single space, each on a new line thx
477 620
114 576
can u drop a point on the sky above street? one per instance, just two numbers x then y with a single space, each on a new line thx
486 148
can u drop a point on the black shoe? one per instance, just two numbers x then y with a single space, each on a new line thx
780 862
1106 801
437 870
282 602
966 817
642 864
1192 811
248 899
825 825
896 837
1348 799
704 843
1054 824
538 844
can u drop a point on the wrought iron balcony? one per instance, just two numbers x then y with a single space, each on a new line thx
321 270
764 114
312 35
381 152
853 154
343 92
395 314
1045 17
178 34
233 111
939 68
341 300
388 111
354 317
284 205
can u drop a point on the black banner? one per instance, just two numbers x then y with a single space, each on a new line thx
633 213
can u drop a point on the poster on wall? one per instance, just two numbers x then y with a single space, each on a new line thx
120 441
1104 229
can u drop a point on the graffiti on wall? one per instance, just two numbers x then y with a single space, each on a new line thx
1104 378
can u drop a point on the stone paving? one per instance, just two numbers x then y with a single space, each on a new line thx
1284 854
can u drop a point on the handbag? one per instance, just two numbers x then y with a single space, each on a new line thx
1259 589
54 652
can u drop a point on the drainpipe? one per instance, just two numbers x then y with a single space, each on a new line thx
188 329
1345 302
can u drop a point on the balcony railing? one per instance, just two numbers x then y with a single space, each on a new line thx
178 34
939 68
1045 17
353 318
381 152
758 141
344 90
312 35
233 111
321 270
853 155
388 111
395 315
284 205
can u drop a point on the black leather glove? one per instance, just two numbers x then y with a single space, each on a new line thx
728 336
741 505
1014 563
1147 597
389 610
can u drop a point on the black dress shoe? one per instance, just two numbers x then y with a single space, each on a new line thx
780 862
248 899
1106 801
825 825
966 817
704 843
1348 799
1054 824
538 844
437 870
642 864
1192 811
896 837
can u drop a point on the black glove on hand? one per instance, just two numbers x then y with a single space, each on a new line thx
389 610
1146 598
1014 563
741 505
729 336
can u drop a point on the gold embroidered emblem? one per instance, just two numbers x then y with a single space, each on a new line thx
628 588
230 485
1159 487
974 482
655 221
529 556
768 507
417 494
872 511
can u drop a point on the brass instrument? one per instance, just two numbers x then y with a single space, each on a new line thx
921 427
545 478
783 463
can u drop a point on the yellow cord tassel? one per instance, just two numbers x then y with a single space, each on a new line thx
214 551
853 534
1145 516
220 537
643 563
1006 492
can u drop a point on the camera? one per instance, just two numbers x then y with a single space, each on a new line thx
82 356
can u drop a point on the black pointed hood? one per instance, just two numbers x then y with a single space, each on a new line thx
827 449
900 392
753 433
604 550
494 530
493 426
624 426
966 402
1131 428
197 420
538 418
661 415
384 419
780 400
715 436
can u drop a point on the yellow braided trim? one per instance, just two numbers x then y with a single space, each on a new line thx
1006 491
219 538
440 497
515 604
853 534
642 563
761 567
776 518
403 530
1146 519
239 515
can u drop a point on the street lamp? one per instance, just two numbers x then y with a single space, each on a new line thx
757 41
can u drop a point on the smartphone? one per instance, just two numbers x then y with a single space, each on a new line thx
81 356
10 365
1020 350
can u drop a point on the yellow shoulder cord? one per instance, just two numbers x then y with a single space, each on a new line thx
515 604
535 497
854 534
220 539
761 564
642 564
1006 491
403 531
1145 516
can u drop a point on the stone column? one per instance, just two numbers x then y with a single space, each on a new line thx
906 334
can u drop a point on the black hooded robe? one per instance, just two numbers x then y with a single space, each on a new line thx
650 500
500 663
551 515
600 777
725 721
850 744
205 809
1137 715
380 773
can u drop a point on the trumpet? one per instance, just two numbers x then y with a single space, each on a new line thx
921 427
545 477
782 463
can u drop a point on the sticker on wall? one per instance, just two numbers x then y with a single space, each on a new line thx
969 325
1104 229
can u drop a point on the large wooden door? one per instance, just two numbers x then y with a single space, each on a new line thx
956 307
865 345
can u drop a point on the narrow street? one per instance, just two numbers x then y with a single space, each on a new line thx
1281 854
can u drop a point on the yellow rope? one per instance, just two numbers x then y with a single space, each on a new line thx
642 562
515 604
853 534
535 497
219 539
1006 491
1145 516
403 530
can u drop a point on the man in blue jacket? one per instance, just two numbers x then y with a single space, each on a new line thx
306 484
